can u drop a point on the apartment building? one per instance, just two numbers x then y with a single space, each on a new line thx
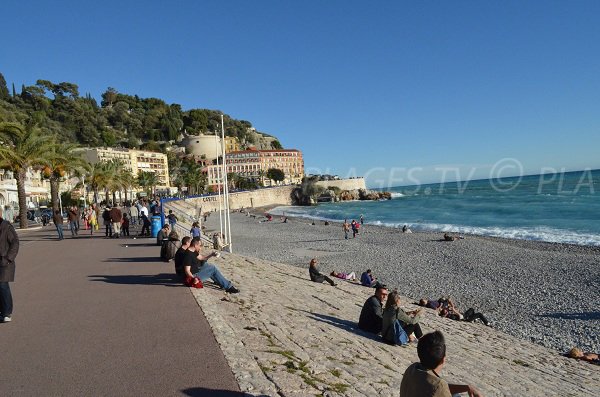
134 161
250 163
36 189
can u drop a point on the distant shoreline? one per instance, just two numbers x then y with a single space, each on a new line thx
260 211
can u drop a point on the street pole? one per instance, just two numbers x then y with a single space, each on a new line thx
226 187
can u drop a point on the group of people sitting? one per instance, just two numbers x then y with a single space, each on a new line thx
399 327
191 266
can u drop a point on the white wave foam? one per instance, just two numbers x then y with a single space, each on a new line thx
396 195
540 233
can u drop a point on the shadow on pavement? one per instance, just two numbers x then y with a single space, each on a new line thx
137 259
166 279
203 392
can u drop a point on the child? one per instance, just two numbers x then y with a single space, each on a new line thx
195 230
125 225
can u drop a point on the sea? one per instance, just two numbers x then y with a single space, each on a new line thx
561 207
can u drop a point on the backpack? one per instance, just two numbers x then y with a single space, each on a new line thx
400 337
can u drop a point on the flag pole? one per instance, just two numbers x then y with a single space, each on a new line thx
219 175
226 188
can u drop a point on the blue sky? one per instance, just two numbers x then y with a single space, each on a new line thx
399 91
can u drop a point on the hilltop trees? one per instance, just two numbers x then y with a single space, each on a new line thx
119 119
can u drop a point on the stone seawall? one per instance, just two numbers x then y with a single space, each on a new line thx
344 184
280 195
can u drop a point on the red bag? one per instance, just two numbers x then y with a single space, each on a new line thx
193 282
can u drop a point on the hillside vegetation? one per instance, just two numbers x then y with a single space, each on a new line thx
118 120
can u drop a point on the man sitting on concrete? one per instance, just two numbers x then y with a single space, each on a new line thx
180 254
422 380
163 234
371 315
195 265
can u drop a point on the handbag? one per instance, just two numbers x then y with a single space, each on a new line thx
400 337
190 282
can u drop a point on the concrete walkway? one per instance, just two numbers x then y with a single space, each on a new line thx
94 317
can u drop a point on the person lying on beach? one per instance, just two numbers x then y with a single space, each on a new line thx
317 276
196 268
448 237
409 321
446 308
578 354
422 379
371 315
367 279
344 276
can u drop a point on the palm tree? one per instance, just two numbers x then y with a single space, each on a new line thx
262 174
97 177
62 160
128 182
23 148
147 180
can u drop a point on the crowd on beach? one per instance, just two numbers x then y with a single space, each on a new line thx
383 316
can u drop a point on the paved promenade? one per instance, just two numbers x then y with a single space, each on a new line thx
95 318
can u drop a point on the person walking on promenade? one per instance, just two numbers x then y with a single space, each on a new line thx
116 216
422 379
125 226
107 223
134 213
73 216
58 222
346 228
9 248
92 219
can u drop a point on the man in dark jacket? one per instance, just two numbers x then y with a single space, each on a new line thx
9 248
107 222
115 217
58 222
73 215
371 315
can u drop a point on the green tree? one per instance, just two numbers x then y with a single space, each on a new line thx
62 161
275 174
97 177
4 95
148 181
276 145
23 148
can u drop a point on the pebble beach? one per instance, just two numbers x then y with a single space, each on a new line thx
538 292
